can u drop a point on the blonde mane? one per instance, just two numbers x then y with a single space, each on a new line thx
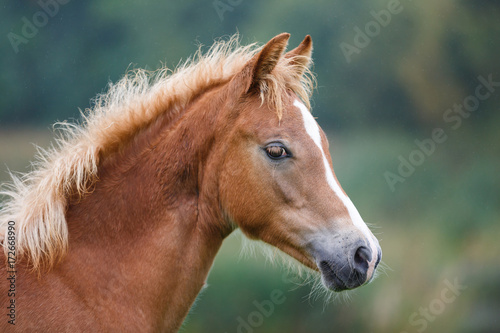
37 201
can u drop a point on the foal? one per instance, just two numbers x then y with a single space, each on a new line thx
117 228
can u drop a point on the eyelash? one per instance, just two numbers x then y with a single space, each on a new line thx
277 148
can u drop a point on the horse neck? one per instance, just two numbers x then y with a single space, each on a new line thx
152 223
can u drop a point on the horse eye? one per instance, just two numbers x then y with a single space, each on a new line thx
277 152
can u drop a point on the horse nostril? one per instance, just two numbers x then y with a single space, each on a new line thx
362 257
363 254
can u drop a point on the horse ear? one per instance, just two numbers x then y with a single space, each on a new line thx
268 57
260 65
301 56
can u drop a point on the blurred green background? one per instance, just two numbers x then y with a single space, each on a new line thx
389 73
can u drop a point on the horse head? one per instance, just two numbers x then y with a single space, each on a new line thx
277 182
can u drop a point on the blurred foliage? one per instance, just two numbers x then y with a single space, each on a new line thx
426 59
441 223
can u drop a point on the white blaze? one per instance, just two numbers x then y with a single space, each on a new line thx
312 129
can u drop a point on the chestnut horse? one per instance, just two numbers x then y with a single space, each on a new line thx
116 227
